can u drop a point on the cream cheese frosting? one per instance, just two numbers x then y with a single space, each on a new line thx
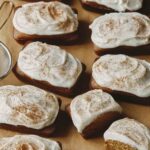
28 142
49 63
120 5
123 73
45 18
120 29
131 132
27 106
87 107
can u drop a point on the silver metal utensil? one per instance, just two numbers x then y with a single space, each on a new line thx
5 61
5 56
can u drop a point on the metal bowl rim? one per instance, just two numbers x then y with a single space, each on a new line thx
5 48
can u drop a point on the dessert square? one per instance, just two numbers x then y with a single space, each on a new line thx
127 134
54 22
28 109
125 77
50 67
110 6
126 33
29 142
93 111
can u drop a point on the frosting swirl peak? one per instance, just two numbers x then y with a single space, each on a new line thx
123 73
27 106
121 29
87 107
131 132
49 63
45 18
28 142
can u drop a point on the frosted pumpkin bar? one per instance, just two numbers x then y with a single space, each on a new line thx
28 109
28 142
127 33
126 78
93 111
112 5
51 21
127 134
50 67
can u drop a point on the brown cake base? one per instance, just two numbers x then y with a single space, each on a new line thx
54 39
93 6
59 143
129 50
120 95
100 124
40 0
116 145
42 132
45 132
47 86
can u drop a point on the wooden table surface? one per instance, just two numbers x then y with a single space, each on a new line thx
66 132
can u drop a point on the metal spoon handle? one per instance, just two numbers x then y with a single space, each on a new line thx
12 6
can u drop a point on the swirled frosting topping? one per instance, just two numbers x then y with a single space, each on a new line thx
87 107
121 29
49 63
28 142
27 106
120 5
45 18
130 132
123 73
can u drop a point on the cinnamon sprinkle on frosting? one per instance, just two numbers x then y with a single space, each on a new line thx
45 18
27 106
121 29
49 63
123 73
131 132
87 107
28 142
